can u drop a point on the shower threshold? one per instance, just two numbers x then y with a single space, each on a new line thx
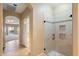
54 53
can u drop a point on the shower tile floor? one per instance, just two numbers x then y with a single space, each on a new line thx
54 53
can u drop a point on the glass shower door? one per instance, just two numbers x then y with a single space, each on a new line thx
50 42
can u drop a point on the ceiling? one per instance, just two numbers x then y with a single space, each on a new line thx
19 8
55 4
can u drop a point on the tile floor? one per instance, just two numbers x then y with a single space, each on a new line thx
11 46
12 49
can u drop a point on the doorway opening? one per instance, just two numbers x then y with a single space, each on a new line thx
11 33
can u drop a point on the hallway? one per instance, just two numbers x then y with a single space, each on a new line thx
16 29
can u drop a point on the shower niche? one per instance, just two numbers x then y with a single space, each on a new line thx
62 34
62 27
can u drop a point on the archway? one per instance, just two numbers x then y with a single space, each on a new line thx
11 33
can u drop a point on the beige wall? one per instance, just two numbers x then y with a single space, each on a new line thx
38 31
1 29
75 13
27 12
23 16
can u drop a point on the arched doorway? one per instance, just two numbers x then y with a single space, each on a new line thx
11 33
